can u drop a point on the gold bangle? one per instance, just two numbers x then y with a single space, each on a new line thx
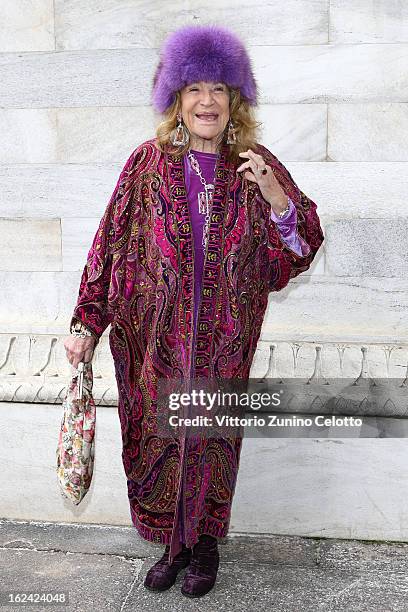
79 330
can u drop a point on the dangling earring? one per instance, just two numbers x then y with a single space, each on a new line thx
231 137
180 135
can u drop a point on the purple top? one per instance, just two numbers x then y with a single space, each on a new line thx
287 229
207 163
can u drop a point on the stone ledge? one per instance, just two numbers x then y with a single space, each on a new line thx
34 367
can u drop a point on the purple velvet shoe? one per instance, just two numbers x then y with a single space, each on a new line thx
202 571
161 576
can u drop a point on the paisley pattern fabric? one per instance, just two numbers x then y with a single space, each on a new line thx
139 277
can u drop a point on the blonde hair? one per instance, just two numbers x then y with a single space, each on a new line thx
243 117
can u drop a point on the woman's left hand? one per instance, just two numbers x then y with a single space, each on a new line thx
268 184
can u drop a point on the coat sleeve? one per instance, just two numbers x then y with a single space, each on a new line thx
99 274
283 262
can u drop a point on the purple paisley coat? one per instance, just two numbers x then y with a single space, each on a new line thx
139 277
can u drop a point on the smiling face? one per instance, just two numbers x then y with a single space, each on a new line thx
205 112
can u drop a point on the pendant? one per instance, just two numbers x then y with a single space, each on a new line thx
202 203
202 199
205 237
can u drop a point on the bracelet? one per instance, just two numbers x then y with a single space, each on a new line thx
79 330
283 213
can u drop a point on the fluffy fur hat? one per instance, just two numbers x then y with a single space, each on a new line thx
202 53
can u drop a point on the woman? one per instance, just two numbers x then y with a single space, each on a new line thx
203 224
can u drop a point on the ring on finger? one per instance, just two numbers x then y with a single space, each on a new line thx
263 170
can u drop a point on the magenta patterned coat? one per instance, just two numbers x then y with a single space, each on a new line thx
139 277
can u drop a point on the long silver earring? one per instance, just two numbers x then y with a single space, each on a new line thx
231 137
180 135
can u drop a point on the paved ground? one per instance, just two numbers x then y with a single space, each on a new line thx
103 567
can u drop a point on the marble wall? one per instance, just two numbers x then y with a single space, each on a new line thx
74 102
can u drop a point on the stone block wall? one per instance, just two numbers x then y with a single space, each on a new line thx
74 103
75 81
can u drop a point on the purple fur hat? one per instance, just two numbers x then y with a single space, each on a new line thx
202 53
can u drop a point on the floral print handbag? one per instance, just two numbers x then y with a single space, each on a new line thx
76 445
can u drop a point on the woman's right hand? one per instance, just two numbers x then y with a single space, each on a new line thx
79 349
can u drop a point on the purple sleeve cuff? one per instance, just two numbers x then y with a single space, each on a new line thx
287 226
